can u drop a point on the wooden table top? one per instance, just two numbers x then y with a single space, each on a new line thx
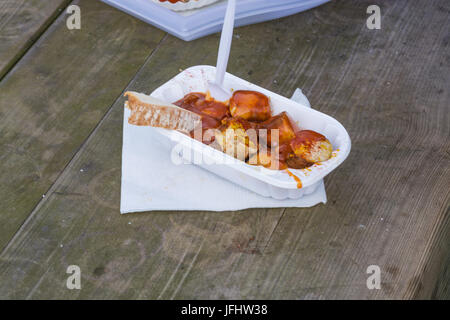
61 111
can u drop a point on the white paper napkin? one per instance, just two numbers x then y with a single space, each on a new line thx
150 181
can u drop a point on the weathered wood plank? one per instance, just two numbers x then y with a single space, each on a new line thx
442 289
21 23
388 203
55 96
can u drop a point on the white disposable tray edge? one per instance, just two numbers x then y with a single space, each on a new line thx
208 20
309 177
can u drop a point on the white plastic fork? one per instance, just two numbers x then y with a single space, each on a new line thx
216 88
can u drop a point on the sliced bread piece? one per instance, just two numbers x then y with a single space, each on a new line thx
149 111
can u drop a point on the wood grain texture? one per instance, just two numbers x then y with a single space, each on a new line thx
56 95
442 289
21 23
388 203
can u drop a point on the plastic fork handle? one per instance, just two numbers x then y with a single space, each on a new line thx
225 42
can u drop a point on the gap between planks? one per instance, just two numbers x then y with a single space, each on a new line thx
53 186
60 10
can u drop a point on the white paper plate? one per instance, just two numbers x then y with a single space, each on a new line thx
193 24
184 6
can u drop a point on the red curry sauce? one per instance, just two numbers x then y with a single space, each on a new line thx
252 109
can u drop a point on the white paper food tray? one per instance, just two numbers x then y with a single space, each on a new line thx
270 183
193 24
